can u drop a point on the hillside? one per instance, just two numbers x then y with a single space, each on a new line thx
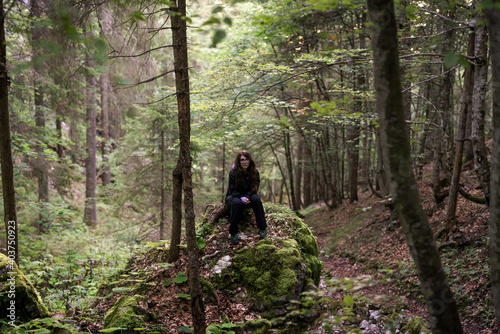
361 239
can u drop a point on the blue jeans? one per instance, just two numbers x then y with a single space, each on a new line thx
236 208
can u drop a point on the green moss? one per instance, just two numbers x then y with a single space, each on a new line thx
28 304
126 314
415 326
269 272
258 326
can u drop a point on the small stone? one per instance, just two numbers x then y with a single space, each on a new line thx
222 264
364 324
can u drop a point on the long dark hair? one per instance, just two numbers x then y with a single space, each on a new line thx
239 173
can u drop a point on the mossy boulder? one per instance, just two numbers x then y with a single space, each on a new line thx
266 274
126 314
19 300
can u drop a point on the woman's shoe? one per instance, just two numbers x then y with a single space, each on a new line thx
234 239
262 234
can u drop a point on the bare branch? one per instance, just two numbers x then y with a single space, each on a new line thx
141 54
445 17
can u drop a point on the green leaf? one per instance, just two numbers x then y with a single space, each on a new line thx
348 300
185 329
164 265
137 15
217 9
166 283
315 105
122 289
111 330
200 242
184 295
451 59
218 36
181 278
228 21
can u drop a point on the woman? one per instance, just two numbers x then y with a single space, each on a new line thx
244 181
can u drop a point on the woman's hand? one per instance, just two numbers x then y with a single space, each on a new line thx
245 200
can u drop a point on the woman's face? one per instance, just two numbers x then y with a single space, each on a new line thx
244 162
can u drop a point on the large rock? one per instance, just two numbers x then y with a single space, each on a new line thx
126 314
19 300
266 274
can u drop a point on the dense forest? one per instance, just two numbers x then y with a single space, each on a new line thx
120 121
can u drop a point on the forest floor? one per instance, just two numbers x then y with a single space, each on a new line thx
361 242
361 239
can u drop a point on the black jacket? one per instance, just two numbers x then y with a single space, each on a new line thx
246 191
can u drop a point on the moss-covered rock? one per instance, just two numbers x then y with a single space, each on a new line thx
271 273
126 314
19 300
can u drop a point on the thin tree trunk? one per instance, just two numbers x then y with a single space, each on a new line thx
162 186
353 158
493 15
307 177
90 210
442 115
450 219
298 173
481 163
443 314
179 38
223 183
41 165
106 175
8 191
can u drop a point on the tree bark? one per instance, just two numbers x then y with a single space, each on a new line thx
493 15
179 38
442 115
175 238
8 191
353 158
162 186
450 219
90 210
105 175
40 165
307 184
443 314
298 173
481 163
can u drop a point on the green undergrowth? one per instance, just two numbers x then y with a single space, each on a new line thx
66 265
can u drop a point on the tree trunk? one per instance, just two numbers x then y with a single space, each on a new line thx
175 238
8 191
481 163
382 179
353 158
105 175
40 165
442 115
493 15
298 173
90 210
162 186
443 312
450 219
179 38
307 184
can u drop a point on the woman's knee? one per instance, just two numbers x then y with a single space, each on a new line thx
255 198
